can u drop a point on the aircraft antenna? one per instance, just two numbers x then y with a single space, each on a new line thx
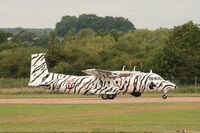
123 68
134 68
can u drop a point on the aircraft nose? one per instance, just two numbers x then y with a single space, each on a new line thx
175 87
172 85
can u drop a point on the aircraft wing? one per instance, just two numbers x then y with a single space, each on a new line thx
100 73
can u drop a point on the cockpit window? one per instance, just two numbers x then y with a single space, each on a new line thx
155 78
150 78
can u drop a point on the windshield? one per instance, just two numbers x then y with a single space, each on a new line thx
155 78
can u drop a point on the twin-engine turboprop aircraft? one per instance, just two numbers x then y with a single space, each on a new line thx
106 84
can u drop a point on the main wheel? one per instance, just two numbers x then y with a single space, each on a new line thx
111 96
164 96
104 96
136 94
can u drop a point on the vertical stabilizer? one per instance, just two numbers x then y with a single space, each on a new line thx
39 69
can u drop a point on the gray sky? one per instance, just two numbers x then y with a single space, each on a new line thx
143 13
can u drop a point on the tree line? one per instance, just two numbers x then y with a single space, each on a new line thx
168 52
73 24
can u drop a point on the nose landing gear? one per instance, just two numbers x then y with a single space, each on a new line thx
164 96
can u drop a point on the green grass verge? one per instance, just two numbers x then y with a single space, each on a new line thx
61 95
30 92
13 82
136 117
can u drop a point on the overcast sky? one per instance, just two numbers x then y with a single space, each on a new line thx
142 13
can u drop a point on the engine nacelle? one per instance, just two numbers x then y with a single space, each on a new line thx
136 94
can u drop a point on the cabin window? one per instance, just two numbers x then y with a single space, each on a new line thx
115 74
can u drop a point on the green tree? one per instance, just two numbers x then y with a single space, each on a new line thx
85 33
104 32
8 45
67 24
26 36
16 62
74 25
4 36
180 56
63 68
55 51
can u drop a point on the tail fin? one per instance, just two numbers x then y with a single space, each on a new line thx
39 69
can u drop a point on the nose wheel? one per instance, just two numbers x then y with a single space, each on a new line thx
164 96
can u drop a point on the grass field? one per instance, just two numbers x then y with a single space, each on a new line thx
29 92
136 117
61 95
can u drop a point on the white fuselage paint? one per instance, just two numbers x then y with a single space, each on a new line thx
102 82
92 85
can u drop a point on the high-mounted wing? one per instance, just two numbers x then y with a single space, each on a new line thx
100 73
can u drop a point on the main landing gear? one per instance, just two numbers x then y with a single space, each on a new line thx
136 94
106 96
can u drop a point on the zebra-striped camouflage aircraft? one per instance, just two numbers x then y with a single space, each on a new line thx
106 84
